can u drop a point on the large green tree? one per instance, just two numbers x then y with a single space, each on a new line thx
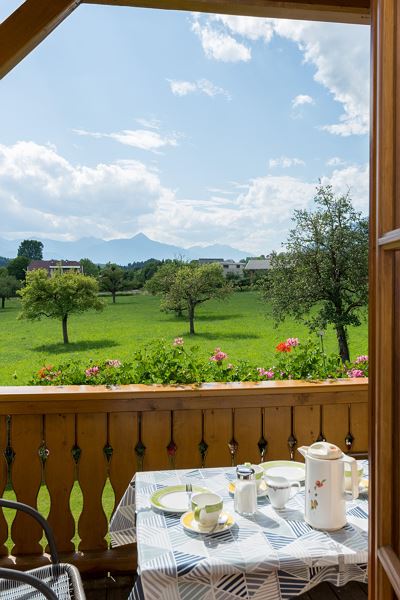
18 266
112 279
32 249
161 283
8 286
58 297
322 277
191 285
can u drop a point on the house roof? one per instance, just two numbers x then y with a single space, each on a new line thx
48 264
258 264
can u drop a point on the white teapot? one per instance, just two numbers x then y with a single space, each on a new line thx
325 497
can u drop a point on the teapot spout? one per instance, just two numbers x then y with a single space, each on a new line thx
303 450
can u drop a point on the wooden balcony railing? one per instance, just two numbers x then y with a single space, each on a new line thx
61 438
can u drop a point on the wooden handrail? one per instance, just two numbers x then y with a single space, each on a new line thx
77 399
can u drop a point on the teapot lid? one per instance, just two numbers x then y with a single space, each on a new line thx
324 451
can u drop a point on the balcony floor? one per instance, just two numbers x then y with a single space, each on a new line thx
119 589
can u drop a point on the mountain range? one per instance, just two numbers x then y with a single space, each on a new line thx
123 251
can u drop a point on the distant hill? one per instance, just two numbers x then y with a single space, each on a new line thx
123 251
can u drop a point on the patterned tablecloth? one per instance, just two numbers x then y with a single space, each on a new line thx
272 556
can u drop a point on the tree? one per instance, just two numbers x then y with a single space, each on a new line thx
18 266
8 286
192 285
89 268
32 249
161 283
58 297
111 279
324 268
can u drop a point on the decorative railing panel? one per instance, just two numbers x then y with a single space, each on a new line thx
74 440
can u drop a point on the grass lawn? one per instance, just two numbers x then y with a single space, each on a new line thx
240 325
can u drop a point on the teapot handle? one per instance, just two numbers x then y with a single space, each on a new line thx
354 474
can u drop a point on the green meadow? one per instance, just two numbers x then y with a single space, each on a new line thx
242 326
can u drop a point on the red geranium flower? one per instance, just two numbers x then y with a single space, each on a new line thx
283 347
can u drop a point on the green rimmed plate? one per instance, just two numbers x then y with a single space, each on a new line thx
174 498
291 470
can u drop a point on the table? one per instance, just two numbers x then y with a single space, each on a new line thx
274 555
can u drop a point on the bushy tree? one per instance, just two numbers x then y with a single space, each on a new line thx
191 285
322 277
112 279
18 266
8 286
161 283
89 267
58 297
32 249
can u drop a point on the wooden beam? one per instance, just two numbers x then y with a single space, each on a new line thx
29 25
341 11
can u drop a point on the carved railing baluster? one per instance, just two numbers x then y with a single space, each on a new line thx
140 448
292 441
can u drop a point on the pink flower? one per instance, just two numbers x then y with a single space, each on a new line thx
178 341
263 373
92 372
355 373
218 355
361 359
293 342
113 363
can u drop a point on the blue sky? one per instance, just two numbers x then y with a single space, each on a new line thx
192 128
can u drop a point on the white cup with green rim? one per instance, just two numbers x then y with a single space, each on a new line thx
207 508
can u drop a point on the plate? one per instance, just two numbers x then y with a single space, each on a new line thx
191 525
261 491
173 498
291 470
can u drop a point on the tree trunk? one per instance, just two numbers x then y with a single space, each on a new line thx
343 345
3 301
113 297
65 329
191 320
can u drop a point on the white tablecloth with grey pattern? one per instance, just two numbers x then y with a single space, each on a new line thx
272 556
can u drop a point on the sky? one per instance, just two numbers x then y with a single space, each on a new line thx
193 129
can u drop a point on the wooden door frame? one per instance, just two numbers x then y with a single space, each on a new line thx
35 19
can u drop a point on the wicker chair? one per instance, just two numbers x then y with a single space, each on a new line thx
57 581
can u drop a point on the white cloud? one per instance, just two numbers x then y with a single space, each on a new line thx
42 194
143 139
219 45
285 162
324 45
302 99
149 123
204 86
335 161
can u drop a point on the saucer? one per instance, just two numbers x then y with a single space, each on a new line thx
189 523
261 491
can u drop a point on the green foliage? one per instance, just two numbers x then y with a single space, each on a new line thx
4 261
240 325
58 297
18 266
322 277
111 279
185 286
8 286
89 268
162 362
32 249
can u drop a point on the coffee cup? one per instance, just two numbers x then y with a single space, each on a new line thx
207 508
280 490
